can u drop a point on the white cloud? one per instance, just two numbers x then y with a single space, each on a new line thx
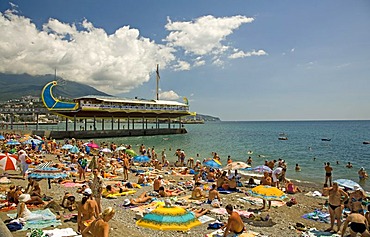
241 54
203 35
169 95
292 50
112 63
182 66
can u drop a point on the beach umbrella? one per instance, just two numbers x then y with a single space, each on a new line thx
212 164
35 141
45 171
67 146
2 137
130 152
106 150
121 148
74 149
13 142
93 145
141 159
262 169
267 193
347 183
237 165
169 218
7 155
8 163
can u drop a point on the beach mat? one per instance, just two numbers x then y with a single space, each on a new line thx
60 232
313 232
255 201
39 224
222 211
205 219
317 216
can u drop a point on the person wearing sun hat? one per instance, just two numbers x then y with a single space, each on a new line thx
362 174
355 200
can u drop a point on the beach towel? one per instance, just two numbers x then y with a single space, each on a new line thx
318 216
220 233
71 185
60 232
205 219
258 201
222 211
313 232
39 224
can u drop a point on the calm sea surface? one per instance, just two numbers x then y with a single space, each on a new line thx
303 144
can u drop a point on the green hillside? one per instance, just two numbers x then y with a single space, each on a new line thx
16 86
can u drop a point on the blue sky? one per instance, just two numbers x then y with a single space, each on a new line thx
238 60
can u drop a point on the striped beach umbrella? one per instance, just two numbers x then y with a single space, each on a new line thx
169 218
8 163
7 155
213 164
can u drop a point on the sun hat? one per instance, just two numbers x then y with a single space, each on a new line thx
356 187
24 198
126 202
87 192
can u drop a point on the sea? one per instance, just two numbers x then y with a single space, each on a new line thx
304 145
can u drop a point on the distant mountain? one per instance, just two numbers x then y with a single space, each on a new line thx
16 86
207 117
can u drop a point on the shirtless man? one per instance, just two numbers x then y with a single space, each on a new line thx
328 173
197 193
234 223
143 198
213 194
357 224
335 204
126 166
157 183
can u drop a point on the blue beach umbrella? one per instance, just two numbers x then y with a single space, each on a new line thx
67 146
35 141
212 164
141 159
13 142
262 169
347 183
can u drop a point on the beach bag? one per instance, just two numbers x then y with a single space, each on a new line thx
14 226
215 225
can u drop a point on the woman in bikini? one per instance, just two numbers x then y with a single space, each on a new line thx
355 200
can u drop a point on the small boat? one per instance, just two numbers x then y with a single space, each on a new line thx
283 138
366 142
326 139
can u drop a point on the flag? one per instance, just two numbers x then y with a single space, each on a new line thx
186 101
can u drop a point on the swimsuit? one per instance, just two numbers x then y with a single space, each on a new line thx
333 207
328 174
239 231
208 201
357 227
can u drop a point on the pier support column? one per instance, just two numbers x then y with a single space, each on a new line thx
85 124
143 122
66 124
74 123
146 123
102 124
118 124
133 124
112 123
11 121
156 123
94 123
169 122
37 121
128 123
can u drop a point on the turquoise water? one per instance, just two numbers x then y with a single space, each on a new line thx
236 138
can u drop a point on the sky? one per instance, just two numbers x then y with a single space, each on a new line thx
240 60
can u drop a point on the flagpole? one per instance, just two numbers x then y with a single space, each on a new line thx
157 81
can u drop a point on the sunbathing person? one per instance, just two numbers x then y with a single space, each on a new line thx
112 190
169 193
26 215
291 188
197 193
213 194
199 212
357 223
10 194
143 198
234 223
69 202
